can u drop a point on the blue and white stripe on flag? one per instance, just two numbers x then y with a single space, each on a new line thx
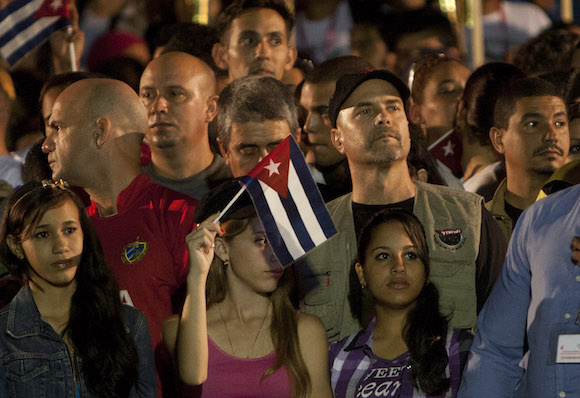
21 31
288 203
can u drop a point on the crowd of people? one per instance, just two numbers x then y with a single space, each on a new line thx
455 193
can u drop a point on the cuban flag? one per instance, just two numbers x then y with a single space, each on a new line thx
288 202
25 24
448 149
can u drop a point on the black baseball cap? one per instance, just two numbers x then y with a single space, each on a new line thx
348 83
218 198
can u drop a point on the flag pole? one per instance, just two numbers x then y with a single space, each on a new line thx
240 192
71 49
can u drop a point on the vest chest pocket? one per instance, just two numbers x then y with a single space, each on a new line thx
28 377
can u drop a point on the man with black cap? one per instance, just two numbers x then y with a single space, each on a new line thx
370 127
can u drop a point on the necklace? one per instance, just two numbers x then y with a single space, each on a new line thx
255 338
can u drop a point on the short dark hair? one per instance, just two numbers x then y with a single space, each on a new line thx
194 39
522 88
475 117
64 80
254 99
238 7
332 69
397 25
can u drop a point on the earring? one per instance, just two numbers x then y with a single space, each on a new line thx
363 285
226 263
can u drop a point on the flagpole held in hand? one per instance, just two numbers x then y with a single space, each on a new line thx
71 49
230 204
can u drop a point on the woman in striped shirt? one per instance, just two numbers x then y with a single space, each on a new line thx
407 350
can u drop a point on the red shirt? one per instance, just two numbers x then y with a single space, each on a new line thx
144 245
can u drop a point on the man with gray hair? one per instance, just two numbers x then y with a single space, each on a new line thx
256 113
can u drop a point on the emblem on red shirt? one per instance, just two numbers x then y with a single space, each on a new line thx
449 238
134 252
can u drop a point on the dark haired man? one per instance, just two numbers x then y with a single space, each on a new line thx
370 128
530 130
330 166
254 39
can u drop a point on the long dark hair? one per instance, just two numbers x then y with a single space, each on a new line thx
425 328
284 327
95 326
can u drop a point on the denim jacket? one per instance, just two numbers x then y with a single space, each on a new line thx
34 359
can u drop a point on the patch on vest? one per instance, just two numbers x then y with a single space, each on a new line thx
134 252
449 238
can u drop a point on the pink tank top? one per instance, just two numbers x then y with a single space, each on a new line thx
231 377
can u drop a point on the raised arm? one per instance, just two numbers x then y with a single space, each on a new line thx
314 349
186 336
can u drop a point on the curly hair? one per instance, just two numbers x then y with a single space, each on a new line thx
551 51
422 70
95 326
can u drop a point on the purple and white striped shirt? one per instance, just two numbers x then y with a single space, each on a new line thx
355 372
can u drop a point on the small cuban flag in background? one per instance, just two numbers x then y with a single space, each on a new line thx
448 149
289 203
25 24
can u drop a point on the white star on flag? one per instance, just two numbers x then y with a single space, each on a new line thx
448 149
273 168
56 4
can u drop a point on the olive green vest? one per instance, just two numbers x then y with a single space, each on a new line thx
452 222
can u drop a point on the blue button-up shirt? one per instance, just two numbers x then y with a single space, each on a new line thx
537 297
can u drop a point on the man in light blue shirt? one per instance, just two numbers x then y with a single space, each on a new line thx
537 297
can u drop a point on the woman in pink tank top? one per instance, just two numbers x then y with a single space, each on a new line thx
238 334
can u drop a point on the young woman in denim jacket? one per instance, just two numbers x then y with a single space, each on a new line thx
407 351
66 334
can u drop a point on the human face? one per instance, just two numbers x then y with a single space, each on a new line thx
175 91
252 260
54 246
537 139
250 142
257 44
47 104
315 98
574 152
68 142
392 271
372 126
441 94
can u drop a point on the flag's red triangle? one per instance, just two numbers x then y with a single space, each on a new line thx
52 8
273 169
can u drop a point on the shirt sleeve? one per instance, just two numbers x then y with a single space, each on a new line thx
493 365
491 256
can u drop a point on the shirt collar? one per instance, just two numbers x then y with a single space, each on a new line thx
363 339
